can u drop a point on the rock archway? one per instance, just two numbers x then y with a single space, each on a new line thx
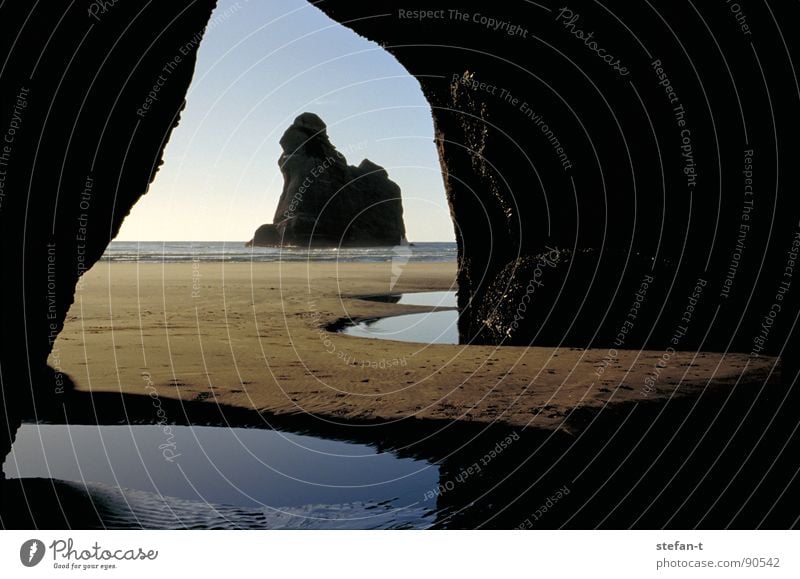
587 174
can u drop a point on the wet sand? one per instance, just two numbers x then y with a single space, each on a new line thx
252 336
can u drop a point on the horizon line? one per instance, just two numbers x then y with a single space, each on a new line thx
241 241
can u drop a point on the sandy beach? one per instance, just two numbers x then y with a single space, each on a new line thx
252 336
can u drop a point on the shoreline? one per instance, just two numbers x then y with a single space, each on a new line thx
252 336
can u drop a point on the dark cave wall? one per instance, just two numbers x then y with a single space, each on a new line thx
585 226
83 139
612 197
622 202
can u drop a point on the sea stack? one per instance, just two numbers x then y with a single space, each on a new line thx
326 202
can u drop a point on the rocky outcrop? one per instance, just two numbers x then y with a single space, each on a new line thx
326 202
265 236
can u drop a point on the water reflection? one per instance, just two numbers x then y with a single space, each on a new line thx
249 469
618 465
437 327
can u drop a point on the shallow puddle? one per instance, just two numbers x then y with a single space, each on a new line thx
295 480
438 327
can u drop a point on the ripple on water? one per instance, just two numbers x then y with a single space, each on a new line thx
156 476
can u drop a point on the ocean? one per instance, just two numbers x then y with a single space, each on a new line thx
235 251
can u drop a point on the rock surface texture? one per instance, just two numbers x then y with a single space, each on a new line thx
651 138
90 96
326 202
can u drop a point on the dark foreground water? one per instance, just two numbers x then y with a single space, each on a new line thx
682 463
437 327
168 476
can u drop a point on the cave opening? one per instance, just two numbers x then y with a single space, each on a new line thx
173 274
187 340
258 68
163 315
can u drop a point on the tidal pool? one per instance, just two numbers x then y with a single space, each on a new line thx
290 479
436 327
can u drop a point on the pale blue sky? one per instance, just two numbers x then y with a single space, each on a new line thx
260 65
